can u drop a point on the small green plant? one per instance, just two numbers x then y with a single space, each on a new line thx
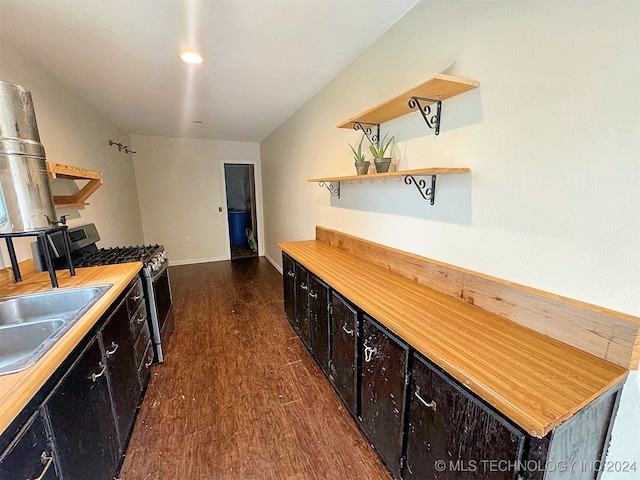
378 152
358 155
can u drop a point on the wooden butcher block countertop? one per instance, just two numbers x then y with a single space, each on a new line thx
17 389
535 380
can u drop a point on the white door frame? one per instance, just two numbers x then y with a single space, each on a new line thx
259 212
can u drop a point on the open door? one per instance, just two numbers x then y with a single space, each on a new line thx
240 189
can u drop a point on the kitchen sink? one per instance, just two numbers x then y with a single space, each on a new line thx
31 324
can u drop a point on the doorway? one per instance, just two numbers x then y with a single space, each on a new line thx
240 186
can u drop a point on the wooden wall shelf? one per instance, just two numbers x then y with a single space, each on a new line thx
57 170
421 97
427 191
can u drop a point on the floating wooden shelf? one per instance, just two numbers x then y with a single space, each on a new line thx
427 191
416 172
57 170
423 96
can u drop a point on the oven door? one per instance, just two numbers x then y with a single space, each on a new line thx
160 313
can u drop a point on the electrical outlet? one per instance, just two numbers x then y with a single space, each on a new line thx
188 239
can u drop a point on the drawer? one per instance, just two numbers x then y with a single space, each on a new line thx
134 296
141 344
138 319
144 371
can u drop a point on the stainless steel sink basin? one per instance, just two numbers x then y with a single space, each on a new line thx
31 324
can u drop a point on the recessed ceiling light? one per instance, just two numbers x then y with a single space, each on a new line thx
190 56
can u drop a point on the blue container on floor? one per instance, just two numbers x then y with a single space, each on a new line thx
237 227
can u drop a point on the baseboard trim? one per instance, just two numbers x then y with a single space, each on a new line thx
191 261
272 262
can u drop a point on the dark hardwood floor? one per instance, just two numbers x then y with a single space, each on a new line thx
239 397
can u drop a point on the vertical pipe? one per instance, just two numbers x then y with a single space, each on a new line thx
14 261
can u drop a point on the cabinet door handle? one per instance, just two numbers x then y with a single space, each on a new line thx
148 364
114 348
303 286
136 297
46 460
369 352
291 274
432 404
96 376
346 330
140 319
313 295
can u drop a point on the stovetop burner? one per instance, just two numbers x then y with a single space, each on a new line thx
111 255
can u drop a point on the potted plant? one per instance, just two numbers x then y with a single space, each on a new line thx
362 165
382 163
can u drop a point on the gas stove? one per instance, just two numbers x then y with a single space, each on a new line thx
85 253
155 273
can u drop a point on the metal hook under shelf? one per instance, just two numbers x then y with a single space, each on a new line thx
121 147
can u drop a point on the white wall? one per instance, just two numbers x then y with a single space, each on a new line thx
75 133
552 138
181 187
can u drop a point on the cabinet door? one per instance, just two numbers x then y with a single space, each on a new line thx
144 369
134 296
289 287
119 353
383 392
29 456
82 422
302 303
319 321
344 341
448 424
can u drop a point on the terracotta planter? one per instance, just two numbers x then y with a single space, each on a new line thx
382 164
362 168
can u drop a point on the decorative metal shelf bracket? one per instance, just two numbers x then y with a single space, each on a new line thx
333 187
432 119
367 129
427 192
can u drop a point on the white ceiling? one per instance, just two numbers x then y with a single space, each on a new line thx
263 58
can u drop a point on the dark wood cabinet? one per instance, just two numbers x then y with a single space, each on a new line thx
30 455
122 369
84 414
134 297
344 351
144 367
424 423
451 434
82 421
141 338
384 382
319 321
306 304
289 287
302 304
